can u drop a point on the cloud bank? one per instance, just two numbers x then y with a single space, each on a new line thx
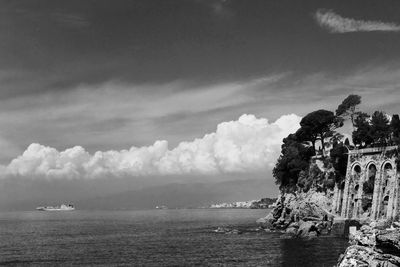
245 145
335 23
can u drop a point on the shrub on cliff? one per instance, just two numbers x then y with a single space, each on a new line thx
362 136
294 158
347 109
395 129
310 178
380 128
338 158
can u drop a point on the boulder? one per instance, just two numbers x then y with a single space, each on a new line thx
305 228
312 234
389 241
381 224
277 211
357 256
310 211
323 228
267 221
281 224
294 224
365 228
291 208
291 231
363 238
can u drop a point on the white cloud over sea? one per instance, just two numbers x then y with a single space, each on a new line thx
338 24
245 145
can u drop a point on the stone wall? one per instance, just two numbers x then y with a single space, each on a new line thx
371 187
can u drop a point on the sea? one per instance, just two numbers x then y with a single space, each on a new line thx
181 237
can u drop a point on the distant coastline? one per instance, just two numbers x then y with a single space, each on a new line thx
263 203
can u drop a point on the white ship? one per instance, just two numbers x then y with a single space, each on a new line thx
62 207
162 207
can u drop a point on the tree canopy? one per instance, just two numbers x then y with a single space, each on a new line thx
348 107
395 129
294 158
339 160
318 125
375 130
362 136
380 128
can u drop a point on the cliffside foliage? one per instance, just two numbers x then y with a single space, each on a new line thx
297 150
376 130
294 158
292 169
338 158
362 134
347 109
395 129
318 125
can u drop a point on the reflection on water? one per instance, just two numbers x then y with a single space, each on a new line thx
153 237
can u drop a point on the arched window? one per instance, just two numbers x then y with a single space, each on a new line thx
387 173
369 184
357 169
371 171
384 207
387 167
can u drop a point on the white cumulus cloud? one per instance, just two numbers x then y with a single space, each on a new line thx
338 24
245 145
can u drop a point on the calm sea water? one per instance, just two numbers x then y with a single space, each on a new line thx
153 238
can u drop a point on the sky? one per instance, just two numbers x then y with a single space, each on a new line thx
187 90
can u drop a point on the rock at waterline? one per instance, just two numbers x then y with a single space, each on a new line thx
360 256
307 229
300 215
389 241
373 247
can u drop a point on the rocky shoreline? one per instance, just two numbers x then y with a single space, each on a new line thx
307 215
375 244
300 215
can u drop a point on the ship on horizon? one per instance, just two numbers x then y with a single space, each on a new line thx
162 207
62 207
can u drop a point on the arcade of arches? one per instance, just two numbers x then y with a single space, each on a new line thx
371 188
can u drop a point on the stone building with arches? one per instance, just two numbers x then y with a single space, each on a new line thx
372 184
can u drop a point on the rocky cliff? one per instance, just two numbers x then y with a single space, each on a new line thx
375 244
306 210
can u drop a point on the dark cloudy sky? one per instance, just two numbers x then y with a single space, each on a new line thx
109 75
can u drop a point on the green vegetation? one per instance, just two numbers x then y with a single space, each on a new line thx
292 169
